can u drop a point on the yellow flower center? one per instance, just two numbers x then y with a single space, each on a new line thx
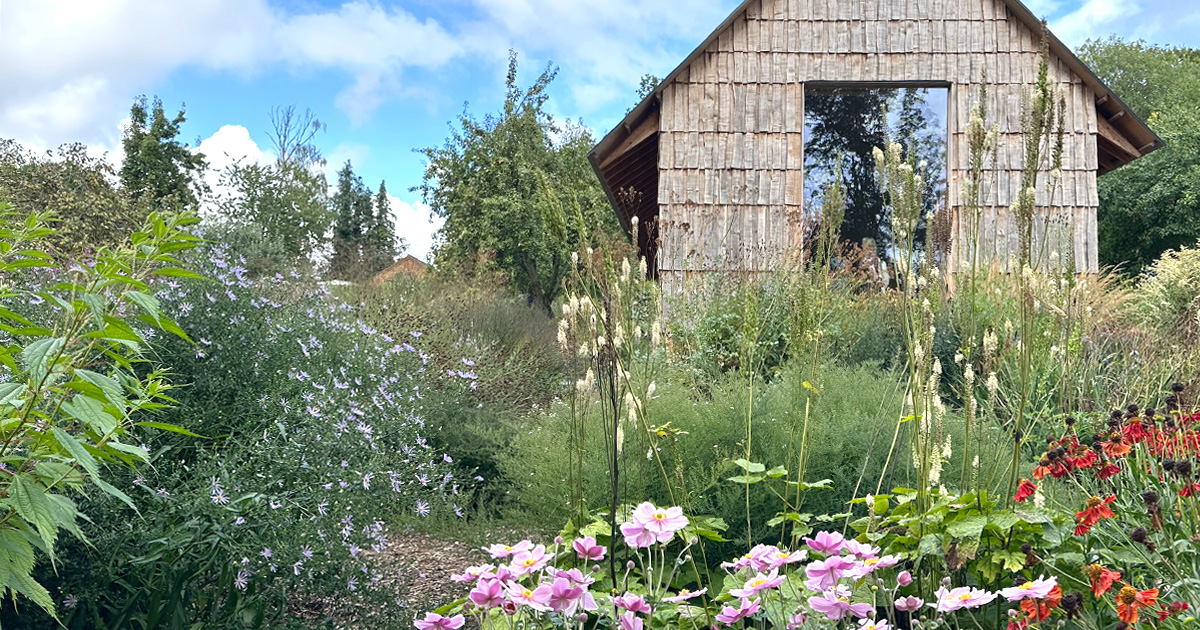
1094 502
1026 586
964 597
660 516
757 582
527 562
871 562
1127 595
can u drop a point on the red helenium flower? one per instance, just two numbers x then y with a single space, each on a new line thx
1025 489
1037 610
1097 509
1102 579
1107 471
1129 600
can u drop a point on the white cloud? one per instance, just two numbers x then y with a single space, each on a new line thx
69 65
1094 18
227 146
414 224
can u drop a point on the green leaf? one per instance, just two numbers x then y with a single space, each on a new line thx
10 393
107 384
1003 520
968 526
169 427
112 491
136 451
1012 561
824 484
90 412
448 608
596 529
29 500
930 545
38 354
749 466
77 450
746 479
777 472
95 304
176 272
148 303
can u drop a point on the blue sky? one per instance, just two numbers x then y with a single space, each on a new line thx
386 77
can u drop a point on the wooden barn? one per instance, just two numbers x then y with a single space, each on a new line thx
712 161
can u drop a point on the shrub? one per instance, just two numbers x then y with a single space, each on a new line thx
1169 294
314 438
77 385
506 346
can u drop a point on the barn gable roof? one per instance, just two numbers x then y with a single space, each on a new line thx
627 157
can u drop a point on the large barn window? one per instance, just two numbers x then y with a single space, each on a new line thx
842 126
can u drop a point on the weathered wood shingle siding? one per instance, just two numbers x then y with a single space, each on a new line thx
731 150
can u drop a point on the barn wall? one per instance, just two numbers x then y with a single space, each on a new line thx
731 129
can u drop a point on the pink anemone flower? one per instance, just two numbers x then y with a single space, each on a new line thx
567 598
757 584
824 574
488 593
826 542
909 604
630 621
662 522
632 603
963 597
587 549
835 604
730 615
434 621
473 573
1033 589
533 598
636 535
504 551
526 562
860 550
685 595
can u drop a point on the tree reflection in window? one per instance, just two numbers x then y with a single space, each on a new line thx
846 124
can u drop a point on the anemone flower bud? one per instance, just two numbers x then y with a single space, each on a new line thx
904 579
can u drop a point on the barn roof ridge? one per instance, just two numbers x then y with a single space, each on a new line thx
613 138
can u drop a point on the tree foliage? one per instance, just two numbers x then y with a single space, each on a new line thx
354 253
1153 204
285 203
157 167
73 190
380 246
516 192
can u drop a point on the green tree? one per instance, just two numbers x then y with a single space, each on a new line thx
381 246
75 191
516 192
353 209
158 167
284 204
1152 204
